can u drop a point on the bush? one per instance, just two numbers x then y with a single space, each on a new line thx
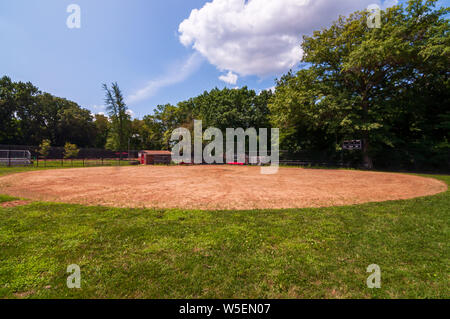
70 150
44 148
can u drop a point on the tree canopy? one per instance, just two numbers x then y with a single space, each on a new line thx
28 116
387 86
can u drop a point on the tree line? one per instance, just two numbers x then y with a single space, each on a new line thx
29 116
387 86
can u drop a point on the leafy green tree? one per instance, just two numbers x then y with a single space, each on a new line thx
303 126
29 113
151 133
231 108
379 85
77 126
169 117
70 150
226 108
9 124
28 116
50 112
102 128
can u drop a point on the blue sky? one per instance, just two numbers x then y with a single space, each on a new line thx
137 43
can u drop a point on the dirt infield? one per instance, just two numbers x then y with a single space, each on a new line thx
215 187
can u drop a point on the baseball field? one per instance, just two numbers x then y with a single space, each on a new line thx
222 232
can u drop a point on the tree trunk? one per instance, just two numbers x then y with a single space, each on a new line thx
367 160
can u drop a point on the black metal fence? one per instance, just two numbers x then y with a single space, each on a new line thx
395 160
58 152
84 162
55 158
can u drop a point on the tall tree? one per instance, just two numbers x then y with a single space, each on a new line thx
117 110
363 83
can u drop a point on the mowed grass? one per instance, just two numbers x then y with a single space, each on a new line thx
58 164
298 253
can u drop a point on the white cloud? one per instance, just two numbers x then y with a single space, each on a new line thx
272 88
176 74
130 113
259 37
230 78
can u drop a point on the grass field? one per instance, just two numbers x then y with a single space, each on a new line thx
296 253
62 163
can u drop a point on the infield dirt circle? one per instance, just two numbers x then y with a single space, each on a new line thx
215 187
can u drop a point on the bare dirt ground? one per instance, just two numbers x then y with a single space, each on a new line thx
215 187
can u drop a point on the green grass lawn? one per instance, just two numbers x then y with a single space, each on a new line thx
296 253
58 164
